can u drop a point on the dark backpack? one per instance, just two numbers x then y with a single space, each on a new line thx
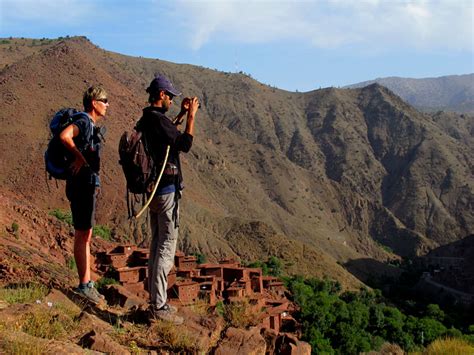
137 164
57 157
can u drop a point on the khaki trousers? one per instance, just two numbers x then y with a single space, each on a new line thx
163 246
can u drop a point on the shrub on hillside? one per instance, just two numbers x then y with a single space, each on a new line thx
102 232
240 314
64 216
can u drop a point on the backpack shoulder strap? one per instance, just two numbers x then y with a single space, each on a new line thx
84 116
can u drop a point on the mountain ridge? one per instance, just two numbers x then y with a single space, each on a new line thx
338 173
449 93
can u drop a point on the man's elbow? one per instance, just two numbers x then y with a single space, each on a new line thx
186 149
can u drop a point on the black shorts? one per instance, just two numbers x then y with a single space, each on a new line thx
82 195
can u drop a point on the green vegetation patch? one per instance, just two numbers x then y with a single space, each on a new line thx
273 266
336 322
104 281
102 232
71 263
63 216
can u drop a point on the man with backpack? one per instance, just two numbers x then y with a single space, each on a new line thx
81 139
160 132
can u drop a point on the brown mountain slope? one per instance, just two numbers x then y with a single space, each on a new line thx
328 172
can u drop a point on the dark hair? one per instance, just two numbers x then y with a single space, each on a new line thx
154 96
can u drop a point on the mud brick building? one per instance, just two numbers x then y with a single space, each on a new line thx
128 265
190 282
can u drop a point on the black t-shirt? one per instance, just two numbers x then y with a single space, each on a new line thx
160 132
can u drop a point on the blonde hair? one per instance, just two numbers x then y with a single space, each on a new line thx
93 93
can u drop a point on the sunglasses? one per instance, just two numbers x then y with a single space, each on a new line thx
170 95
105 100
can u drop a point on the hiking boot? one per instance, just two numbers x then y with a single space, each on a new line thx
166 313
90 293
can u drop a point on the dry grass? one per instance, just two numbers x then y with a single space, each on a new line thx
131 335
449 346
25 333
23 293
47 323
18 344
240 314
389 349
177 338
200 307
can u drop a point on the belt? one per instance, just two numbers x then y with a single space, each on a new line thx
171 169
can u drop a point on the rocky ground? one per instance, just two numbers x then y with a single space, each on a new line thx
49 320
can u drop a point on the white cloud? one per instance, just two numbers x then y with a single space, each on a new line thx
370 24
365 25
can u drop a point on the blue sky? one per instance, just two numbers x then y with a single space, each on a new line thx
294 45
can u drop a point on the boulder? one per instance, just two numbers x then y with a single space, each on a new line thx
19 342
288 344
270 337
119 295
241 341
102 342
206 330
57 297
88 322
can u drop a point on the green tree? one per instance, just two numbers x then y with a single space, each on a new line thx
260 265
376 318
433 311
275 266
200 258
428 330
319 344
350 339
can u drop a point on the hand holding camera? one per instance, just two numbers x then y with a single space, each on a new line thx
189 105
187 102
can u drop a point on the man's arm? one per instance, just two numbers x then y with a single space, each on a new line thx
184 108
193 107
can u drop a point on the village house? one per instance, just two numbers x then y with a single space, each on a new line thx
189 282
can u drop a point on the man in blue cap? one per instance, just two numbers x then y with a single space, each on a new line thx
159 132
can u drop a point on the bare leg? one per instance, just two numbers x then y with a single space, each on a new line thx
82 253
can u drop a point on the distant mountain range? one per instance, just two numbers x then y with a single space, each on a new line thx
447 93
318 179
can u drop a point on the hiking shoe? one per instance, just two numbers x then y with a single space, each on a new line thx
94 290
169 308
90 293
166 314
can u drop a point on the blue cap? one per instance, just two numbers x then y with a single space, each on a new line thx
161 82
